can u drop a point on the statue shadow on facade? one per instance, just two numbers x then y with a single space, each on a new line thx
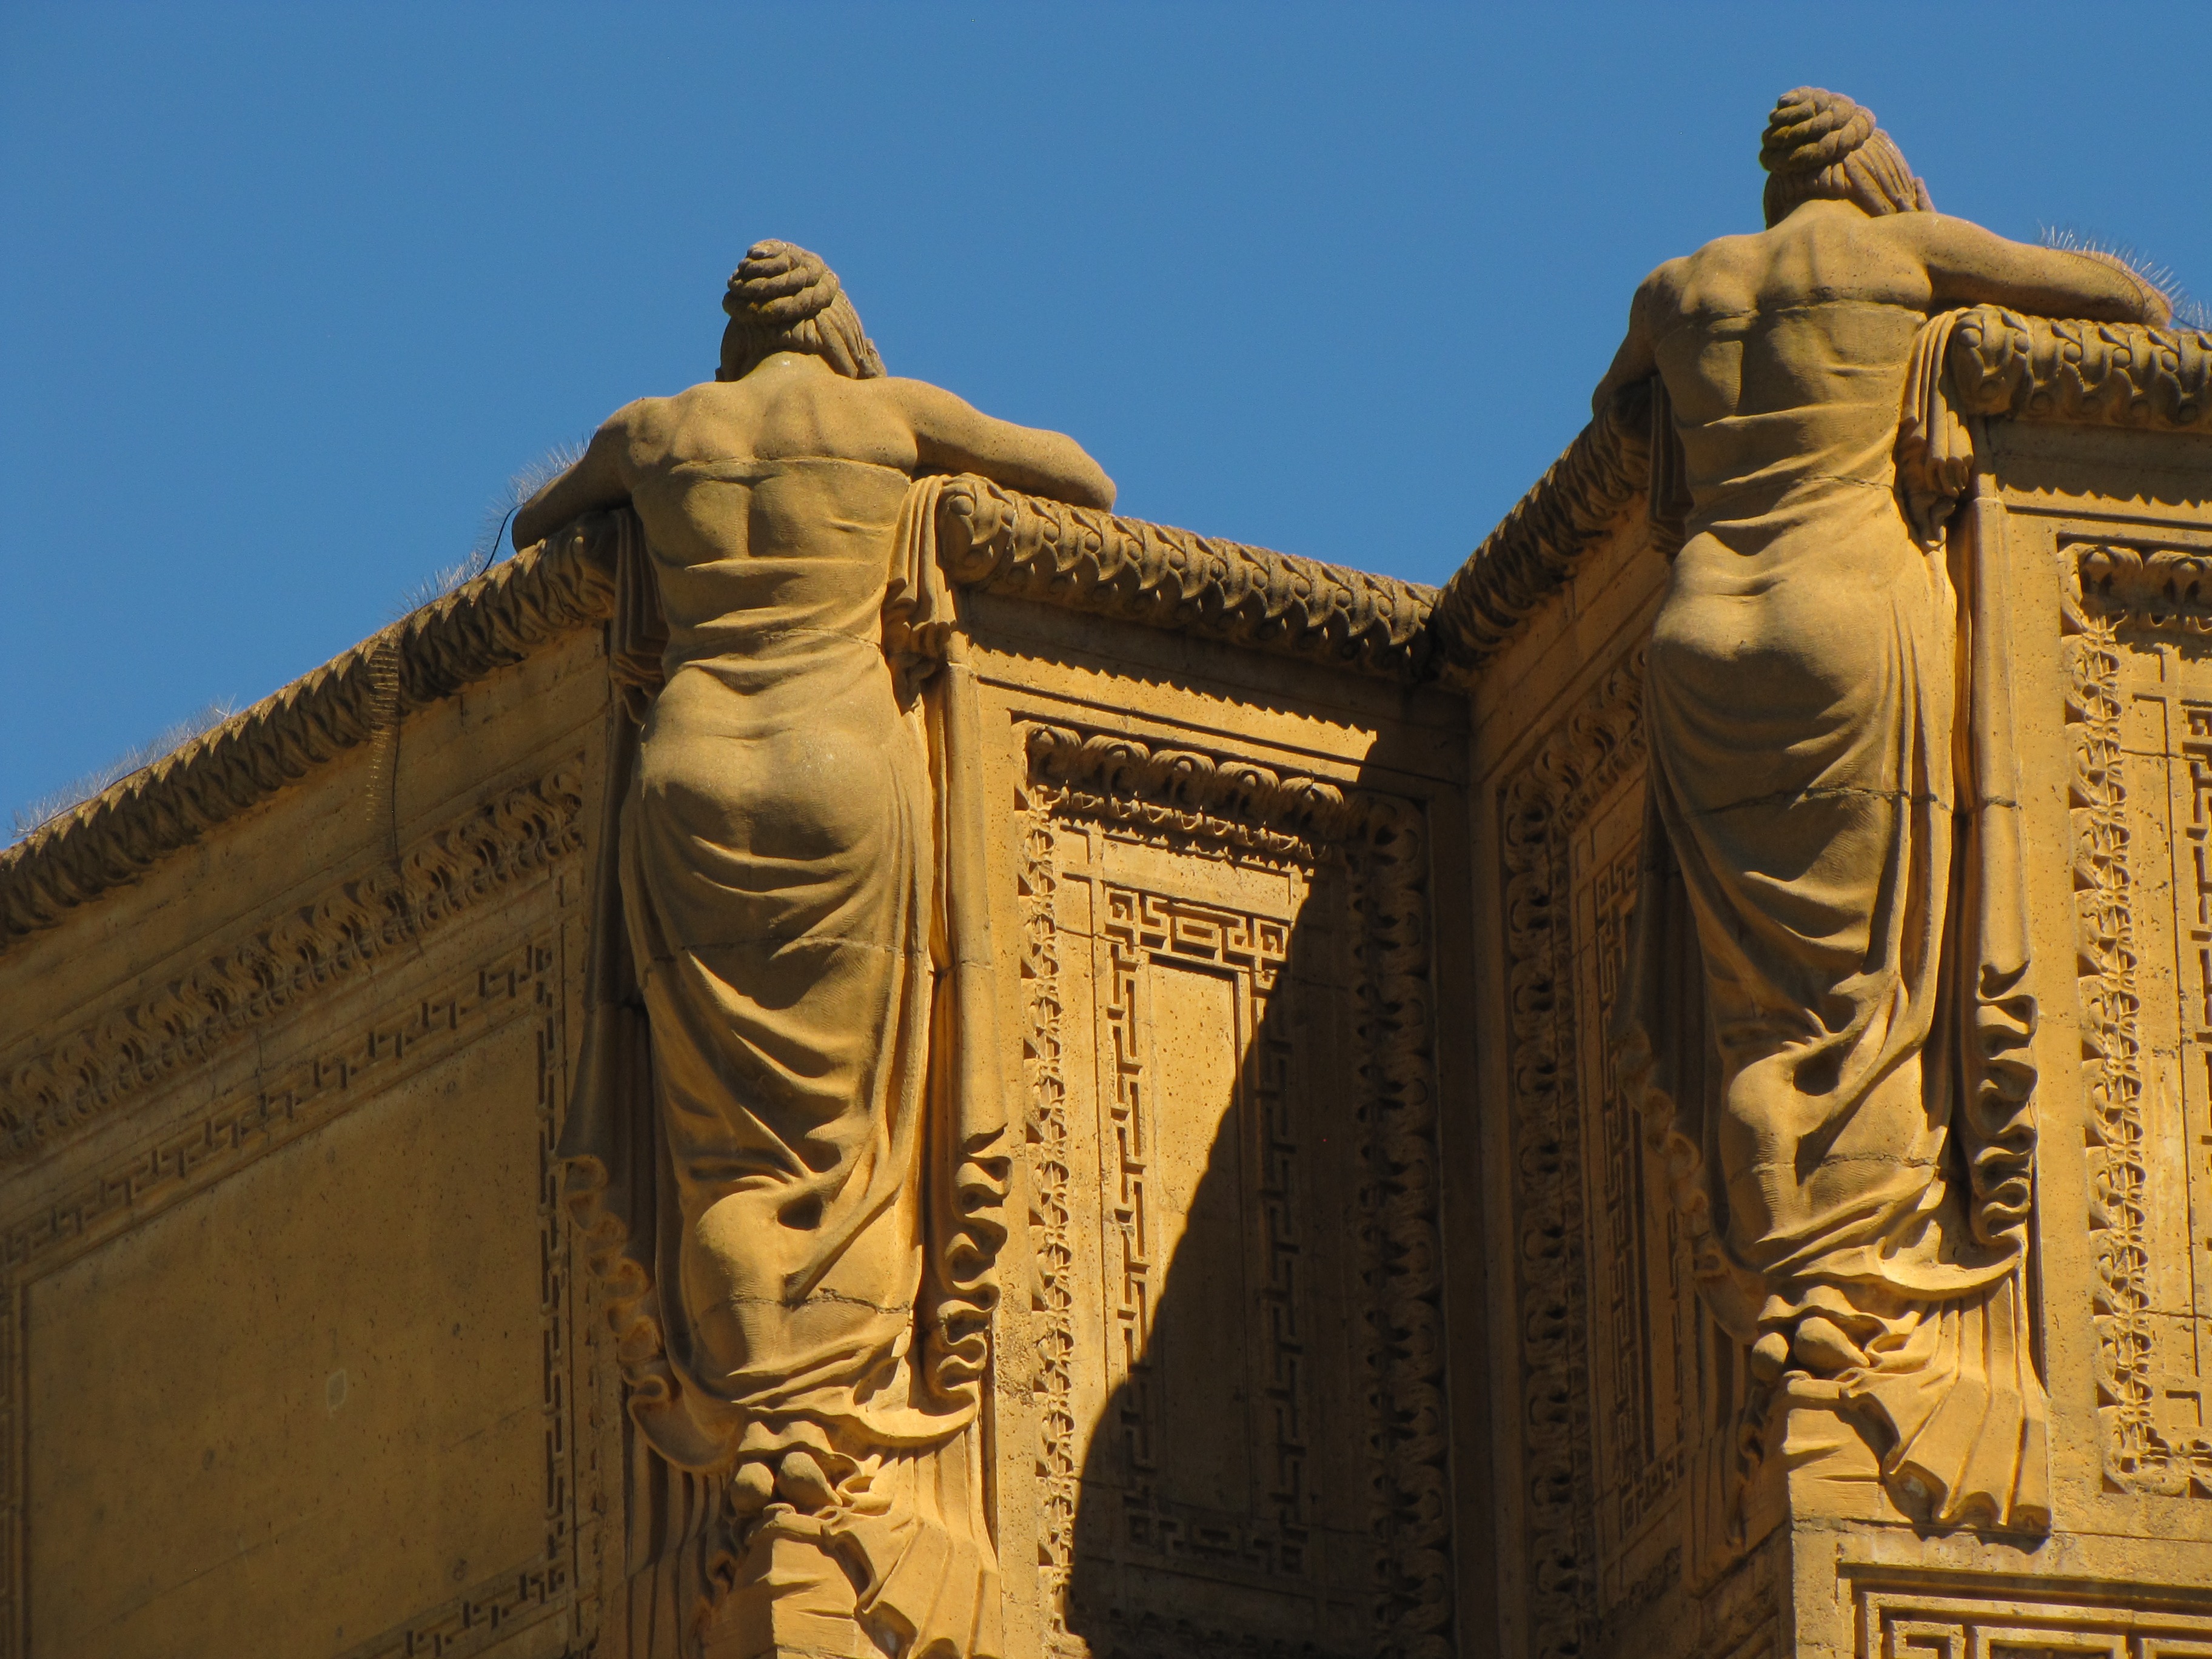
1264 1467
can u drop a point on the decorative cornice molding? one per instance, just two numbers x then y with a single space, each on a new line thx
2040 369
2005 365
1534 551
1169 579
2034 369
1234 803
994 539
306 949
481 626
2165 589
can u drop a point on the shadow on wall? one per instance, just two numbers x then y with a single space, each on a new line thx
1265 1472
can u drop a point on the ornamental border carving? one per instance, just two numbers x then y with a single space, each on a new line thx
2043 368
144 1041
1536 547
485 625
1584 756
313 1090
2161 588
1177 796
1951 1614
1050 1213
1086 560
2138 1457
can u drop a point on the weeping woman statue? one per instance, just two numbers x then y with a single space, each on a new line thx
1854 1165
787 1140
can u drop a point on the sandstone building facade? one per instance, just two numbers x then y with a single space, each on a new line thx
1346 1304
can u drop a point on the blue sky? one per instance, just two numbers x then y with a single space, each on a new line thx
287 293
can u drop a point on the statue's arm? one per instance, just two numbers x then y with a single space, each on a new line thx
949 435
601 479
1968 265
1634 361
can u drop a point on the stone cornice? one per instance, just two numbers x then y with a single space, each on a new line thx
1536 548
994 539
2005 365
2036 368
1143 572
2032 368
480 627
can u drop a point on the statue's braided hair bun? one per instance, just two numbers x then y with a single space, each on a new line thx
784 299
781 284
1820 144
1812 129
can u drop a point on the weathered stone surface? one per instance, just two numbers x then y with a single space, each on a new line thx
1323 1284
1681 1491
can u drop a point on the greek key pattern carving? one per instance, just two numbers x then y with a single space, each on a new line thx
1138 926
1572 768
521 981
1960 1620
141 1043
1187 798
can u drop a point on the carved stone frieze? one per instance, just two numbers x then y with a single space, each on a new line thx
1537 546
2040 369
1182 791
2153 587
519 978
1190 801
480 627
1091 560
1053 1244
61 1085
1580 761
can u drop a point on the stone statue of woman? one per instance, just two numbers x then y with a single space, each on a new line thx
786 1142
1854 1161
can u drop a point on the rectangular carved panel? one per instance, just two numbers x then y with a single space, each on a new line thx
2140 711
1630 1384
344 1333
1236 1376
338 1285
1943 1621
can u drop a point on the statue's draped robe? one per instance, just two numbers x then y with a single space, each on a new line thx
1813 825
785 1143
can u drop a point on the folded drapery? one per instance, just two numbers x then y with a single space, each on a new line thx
786 1143
1832 834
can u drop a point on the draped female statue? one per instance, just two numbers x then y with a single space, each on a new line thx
786 1139
1853 1162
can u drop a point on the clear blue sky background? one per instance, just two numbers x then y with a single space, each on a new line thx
287 293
